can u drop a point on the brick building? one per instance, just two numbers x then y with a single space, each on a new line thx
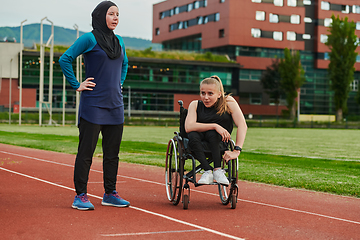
253 32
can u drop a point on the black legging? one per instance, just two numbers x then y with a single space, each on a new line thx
213 138
88 137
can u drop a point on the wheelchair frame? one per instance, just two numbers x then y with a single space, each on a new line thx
177 179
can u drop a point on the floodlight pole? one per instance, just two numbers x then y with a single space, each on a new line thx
298 105
50 100
129 102
10 93
63 101
41 81
20 77
78 78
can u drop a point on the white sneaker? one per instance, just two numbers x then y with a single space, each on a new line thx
219 177
206 178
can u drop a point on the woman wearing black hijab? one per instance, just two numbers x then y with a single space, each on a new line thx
101 102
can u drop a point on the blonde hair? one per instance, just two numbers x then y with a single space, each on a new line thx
221 104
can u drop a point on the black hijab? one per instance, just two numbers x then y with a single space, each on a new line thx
103 35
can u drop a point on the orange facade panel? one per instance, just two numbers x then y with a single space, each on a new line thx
262 110
254 62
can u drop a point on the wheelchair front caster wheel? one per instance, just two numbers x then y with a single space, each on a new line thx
185 201
233 201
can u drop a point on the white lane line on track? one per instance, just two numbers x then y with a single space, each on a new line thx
148 233
213 194
135 208
285 208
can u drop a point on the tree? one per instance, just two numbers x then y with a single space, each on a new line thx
292 78
270 81
342 42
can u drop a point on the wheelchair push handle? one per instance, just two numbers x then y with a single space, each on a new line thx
181 103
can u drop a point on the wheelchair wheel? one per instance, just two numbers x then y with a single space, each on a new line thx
173 172
229 193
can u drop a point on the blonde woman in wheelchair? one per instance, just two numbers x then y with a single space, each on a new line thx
211 120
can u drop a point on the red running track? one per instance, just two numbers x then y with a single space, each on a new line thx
36 193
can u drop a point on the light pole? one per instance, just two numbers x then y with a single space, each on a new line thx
50 100
298 105
63 101
21 57
129 102
10 93
41 81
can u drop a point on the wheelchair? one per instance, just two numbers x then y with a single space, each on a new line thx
177 179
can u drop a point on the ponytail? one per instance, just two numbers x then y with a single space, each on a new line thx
221 104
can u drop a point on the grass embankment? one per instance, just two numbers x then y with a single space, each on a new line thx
147 145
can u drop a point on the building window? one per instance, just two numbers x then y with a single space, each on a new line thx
256 1
274 18
277 36
356 9
222 1
250 98
217 17
323 38
307 20
255 98
291 3
189 7
176 10
204 3
171 12
345 9
180 25
279 3
200 20
221 33
325 5
196 4
255 32
185 24
295 19
354 86
306 36
157 31
260 15
307 2
327 22
291 36
326 56
357 25
206 19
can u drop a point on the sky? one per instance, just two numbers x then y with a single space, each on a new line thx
135 15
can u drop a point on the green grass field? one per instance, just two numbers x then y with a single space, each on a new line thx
324 160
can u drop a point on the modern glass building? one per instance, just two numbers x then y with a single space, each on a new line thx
152 83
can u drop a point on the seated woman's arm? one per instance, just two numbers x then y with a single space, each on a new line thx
239 120
191 124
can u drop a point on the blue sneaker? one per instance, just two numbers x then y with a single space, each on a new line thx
113 199
81 202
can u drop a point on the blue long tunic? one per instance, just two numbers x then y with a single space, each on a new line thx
104 104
